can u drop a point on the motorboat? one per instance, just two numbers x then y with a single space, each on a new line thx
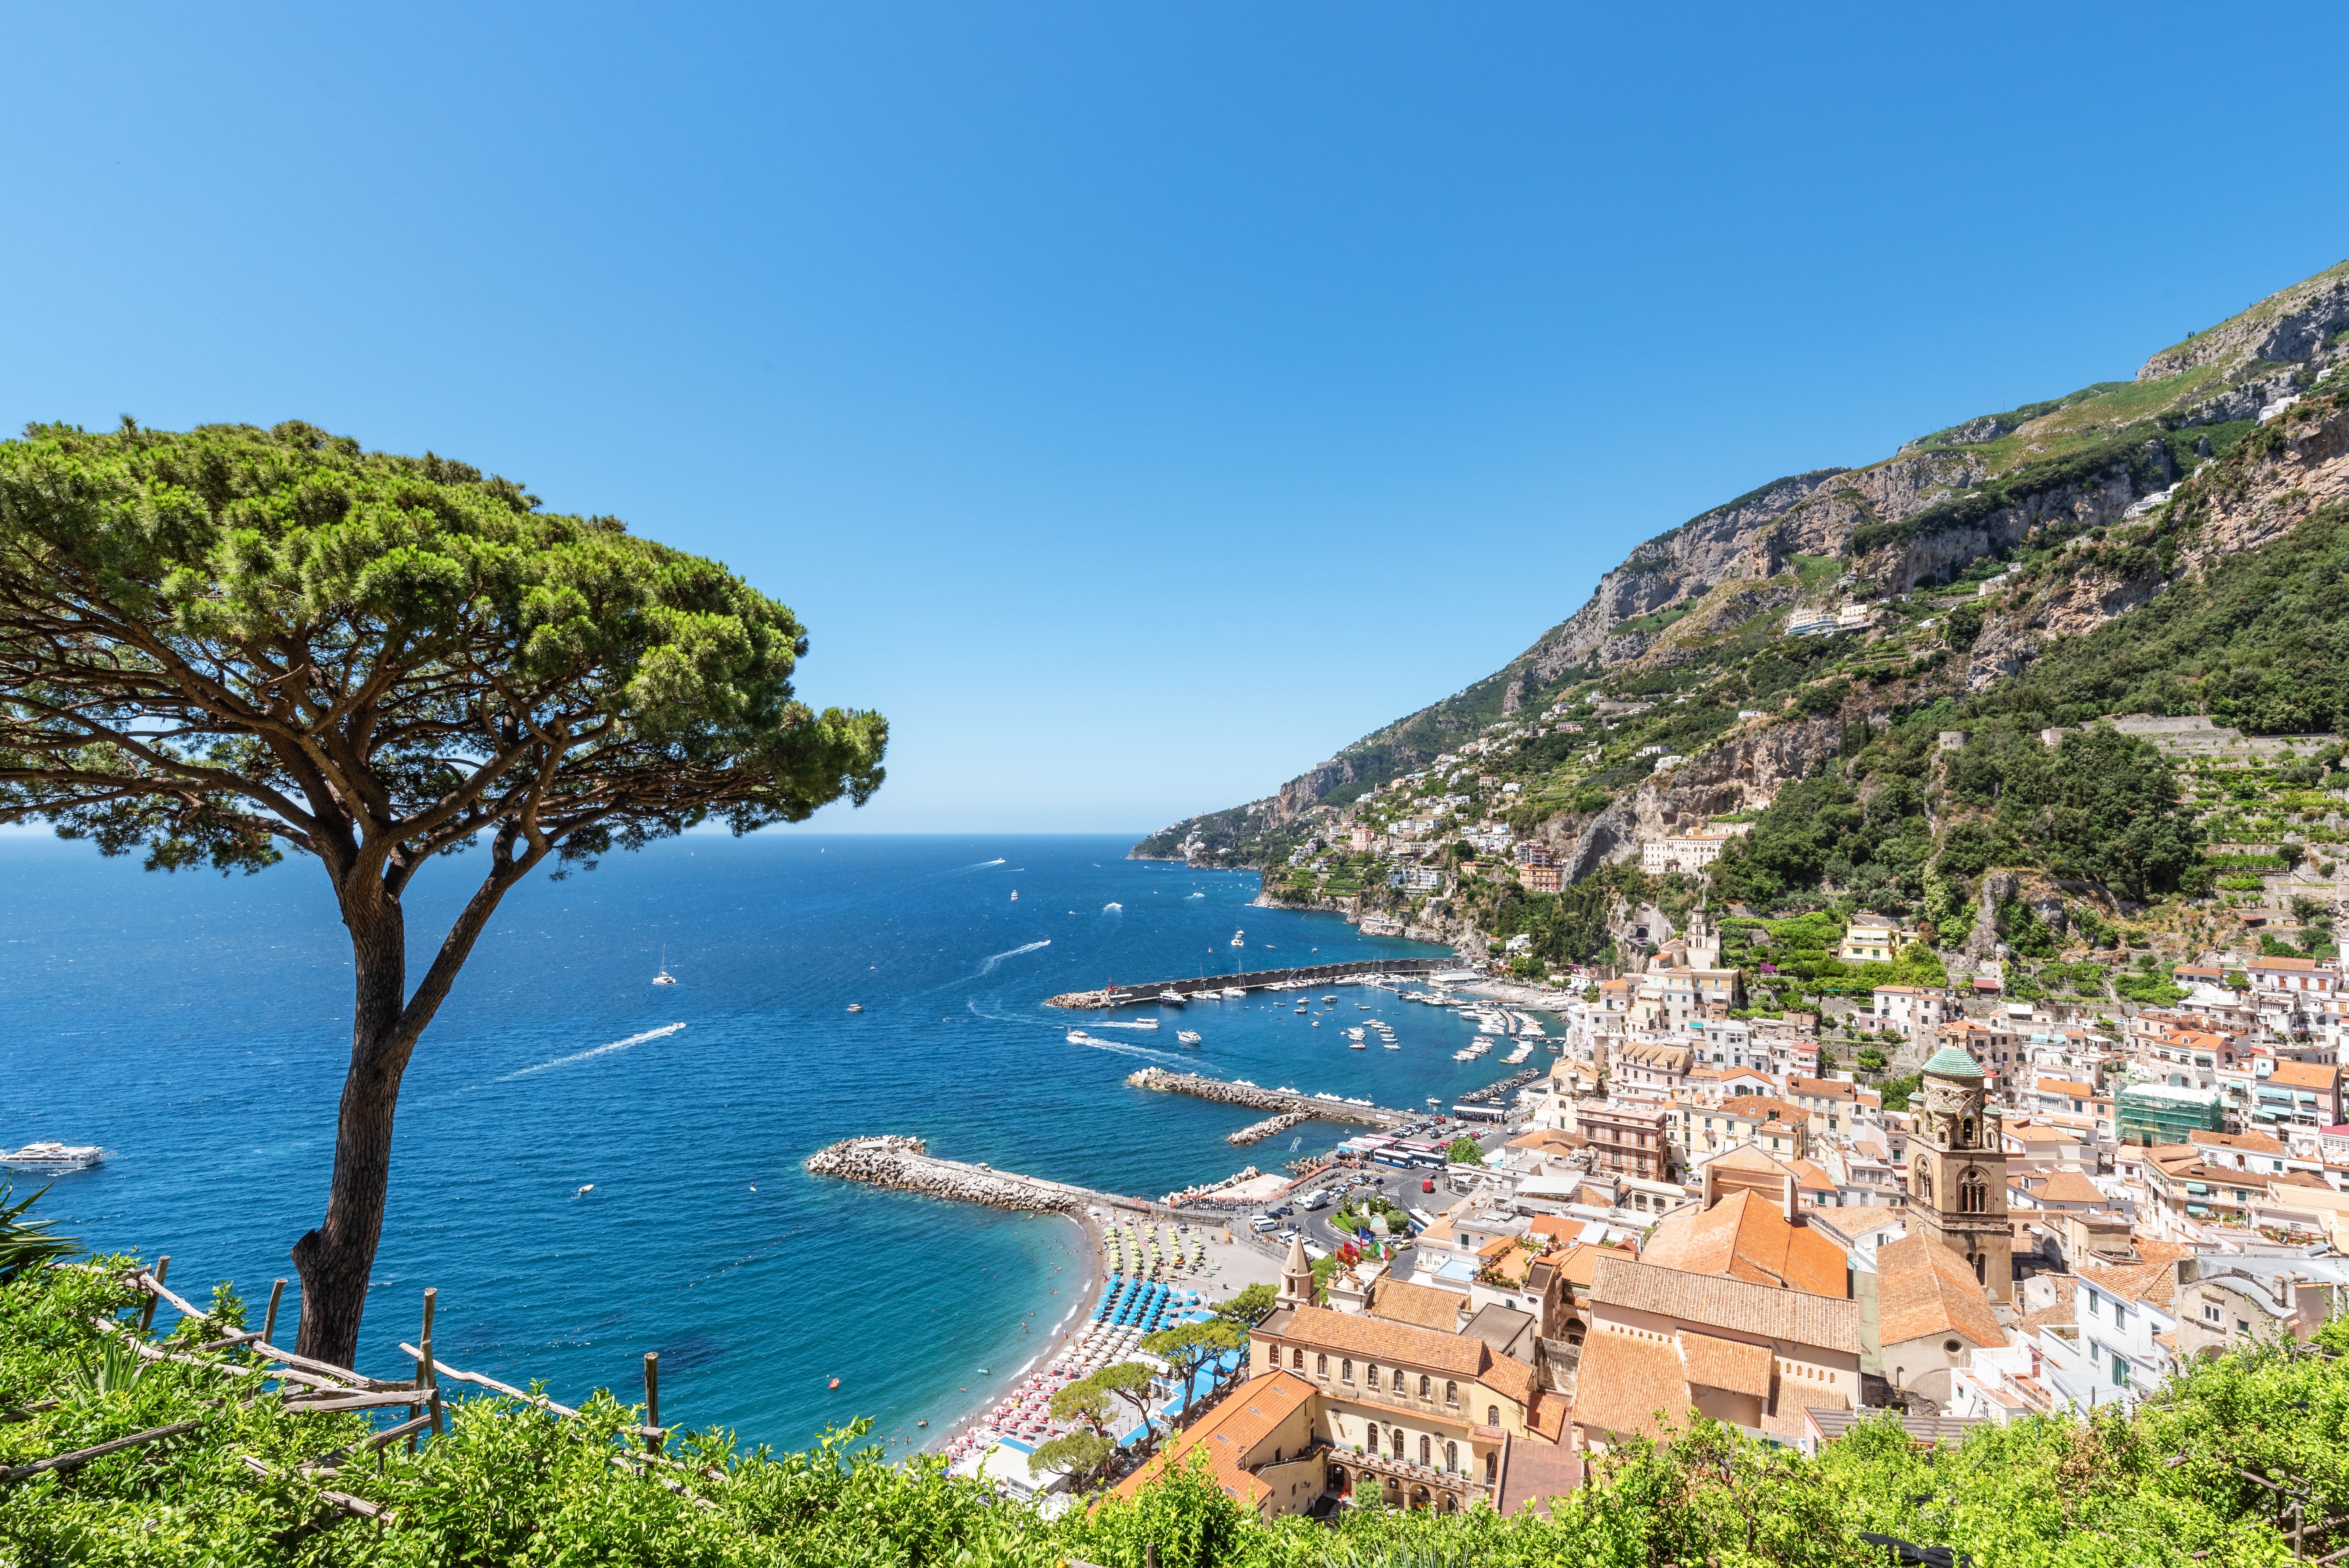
856 1006
1188 1036
1235 991
1170 998
51 1155
1239 939
1357 1045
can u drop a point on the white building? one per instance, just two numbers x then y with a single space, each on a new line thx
1688 852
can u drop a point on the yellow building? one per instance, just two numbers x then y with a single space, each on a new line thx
1873 939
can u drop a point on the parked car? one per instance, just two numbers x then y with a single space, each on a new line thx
1262 1223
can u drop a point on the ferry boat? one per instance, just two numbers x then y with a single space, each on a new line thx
1188 1036
51 1155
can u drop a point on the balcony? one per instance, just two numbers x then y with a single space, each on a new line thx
1403 1473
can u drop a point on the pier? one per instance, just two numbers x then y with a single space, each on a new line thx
1256 980
891 1160
907 1163
1282 1102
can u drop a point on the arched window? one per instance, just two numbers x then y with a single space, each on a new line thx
1398 1441
1373 1429
1492 1464
1320 1366
1398 1382
1426 1386
1925 1182
1371 1374
1966 1132
1452 1458
1492 1415
1296 1360
1426 1450
1346 1370
1452 1393
1980 1271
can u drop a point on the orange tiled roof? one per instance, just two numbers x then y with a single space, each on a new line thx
1420 1305
2065 1187
1718 1301
1376 1340
1228 1435
2305 1074
1746 1237
1508 1375
1730 1364
1625 1380
1923 1290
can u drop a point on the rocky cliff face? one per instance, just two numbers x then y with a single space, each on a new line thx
2288 327
2301 463
1921 516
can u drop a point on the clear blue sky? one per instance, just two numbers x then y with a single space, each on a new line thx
1141 401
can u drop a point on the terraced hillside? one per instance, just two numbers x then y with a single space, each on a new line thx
1759 640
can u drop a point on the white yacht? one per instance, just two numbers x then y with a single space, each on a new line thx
1239 939
1235 991
1170 998
51 1155
1188 1036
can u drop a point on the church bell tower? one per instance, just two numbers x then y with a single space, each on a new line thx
1297 1276
1957 1172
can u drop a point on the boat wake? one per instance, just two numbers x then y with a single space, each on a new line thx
1146 1053
1113 1023
1113 909
988 965
664 1031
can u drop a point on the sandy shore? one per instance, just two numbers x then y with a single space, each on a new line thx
1233 1264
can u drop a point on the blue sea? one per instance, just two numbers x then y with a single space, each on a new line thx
589 1166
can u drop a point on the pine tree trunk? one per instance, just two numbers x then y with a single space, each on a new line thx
334 1259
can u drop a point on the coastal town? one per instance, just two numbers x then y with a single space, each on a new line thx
2038 1207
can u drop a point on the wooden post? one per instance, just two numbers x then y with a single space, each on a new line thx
652 1397
1150 1555
269 1323
147 1314
427 1376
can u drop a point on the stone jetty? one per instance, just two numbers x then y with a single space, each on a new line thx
1498 1090
1255 980
1255 1131
907 1163
1288 1101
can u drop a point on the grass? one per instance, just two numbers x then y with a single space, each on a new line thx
1812 570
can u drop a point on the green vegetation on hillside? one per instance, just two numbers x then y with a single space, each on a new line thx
2259 640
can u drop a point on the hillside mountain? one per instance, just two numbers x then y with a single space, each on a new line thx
1717 644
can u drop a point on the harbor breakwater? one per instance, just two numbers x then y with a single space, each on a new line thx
1288 1101
1256 980
1271 1126
889 1160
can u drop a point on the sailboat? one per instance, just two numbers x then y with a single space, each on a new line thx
663 978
